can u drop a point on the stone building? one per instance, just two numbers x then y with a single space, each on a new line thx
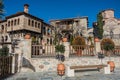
111 27
71 26
17 25
111 23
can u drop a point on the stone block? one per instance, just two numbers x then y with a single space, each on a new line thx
70 72
107 69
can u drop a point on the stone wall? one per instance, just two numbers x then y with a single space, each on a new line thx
50 64
28 64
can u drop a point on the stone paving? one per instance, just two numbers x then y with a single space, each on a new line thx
87 75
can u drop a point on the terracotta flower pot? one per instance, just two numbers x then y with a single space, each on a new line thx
64 39
27 36
96 40
112 65
61 69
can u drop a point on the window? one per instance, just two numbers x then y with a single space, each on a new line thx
29 22
51 41
35 24
44 30
18 21
6 38
6 27
15 22
48 31
47 41
8 23
12 23
2 27
32 23
2 39
38 25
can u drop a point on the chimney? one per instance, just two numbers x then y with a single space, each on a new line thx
26 8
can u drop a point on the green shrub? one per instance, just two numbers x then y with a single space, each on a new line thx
4 51
60 48
107 44
78 41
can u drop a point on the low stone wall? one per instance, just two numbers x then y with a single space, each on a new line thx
28 64
50 64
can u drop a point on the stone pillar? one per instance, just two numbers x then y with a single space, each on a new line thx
67 51
13 64
10 48
97 46
23 50
26 49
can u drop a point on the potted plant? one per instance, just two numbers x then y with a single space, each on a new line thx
108 45
60 49
78 44
27 36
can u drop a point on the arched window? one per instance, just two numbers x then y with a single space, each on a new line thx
8 23
6 38
51 41
5 27
38 25
44 30
12 23
48 41
15 22
35 24
18 21
2 27
48 31
2 39
32 23
29 22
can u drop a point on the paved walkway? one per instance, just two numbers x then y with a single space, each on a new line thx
88 75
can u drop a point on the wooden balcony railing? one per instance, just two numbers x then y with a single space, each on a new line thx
43 51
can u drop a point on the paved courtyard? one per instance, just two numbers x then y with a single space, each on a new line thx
87 75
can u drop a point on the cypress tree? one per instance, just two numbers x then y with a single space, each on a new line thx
99 26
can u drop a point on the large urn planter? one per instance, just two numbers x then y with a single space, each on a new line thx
112 65
61 69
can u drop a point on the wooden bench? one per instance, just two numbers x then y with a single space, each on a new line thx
88 67
70 70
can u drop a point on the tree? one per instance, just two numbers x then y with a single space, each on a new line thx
1 8
98 27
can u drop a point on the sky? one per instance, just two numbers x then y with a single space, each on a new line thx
60 9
